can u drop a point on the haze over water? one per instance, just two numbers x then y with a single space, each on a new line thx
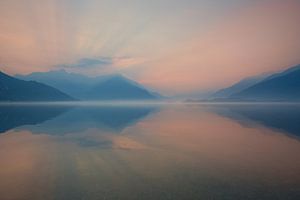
150 151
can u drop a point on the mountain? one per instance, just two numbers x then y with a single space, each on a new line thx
109 87
12 89
285 72
72 84
238 87
283 86
118 87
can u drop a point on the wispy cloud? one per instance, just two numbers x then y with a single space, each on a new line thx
195 45
114 63
125 62
89 62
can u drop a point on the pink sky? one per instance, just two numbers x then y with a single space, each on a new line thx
172 46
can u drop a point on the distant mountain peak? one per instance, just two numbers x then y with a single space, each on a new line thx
108 87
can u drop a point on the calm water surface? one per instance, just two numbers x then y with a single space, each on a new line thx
150 152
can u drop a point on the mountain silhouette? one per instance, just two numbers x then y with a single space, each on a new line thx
109 87
238 87
284 86
118 87
12 89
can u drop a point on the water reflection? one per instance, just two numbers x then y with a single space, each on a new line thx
178 152
58 120
15 116
280 117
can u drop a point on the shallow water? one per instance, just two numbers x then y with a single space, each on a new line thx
150 152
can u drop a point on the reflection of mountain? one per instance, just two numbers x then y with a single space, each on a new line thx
112 118
284 118
15 116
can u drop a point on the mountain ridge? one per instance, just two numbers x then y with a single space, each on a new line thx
13 89
85 88
283 86
239 86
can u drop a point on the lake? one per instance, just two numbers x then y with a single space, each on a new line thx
151 151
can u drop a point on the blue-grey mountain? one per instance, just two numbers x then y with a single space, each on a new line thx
12 89
109 87
284 86
238 87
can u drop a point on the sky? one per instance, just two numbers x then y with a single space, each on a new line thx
175 47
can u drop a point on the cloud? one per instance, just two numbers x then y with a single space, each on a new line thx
125 62
102 65
89 62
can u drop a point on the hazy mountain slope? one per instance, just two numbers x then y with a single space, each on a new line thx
284 86
12 89
72 84
119 87
238 87
110 87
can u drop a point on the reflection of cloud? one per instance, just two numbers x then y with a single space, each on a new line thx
125 143
183 145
